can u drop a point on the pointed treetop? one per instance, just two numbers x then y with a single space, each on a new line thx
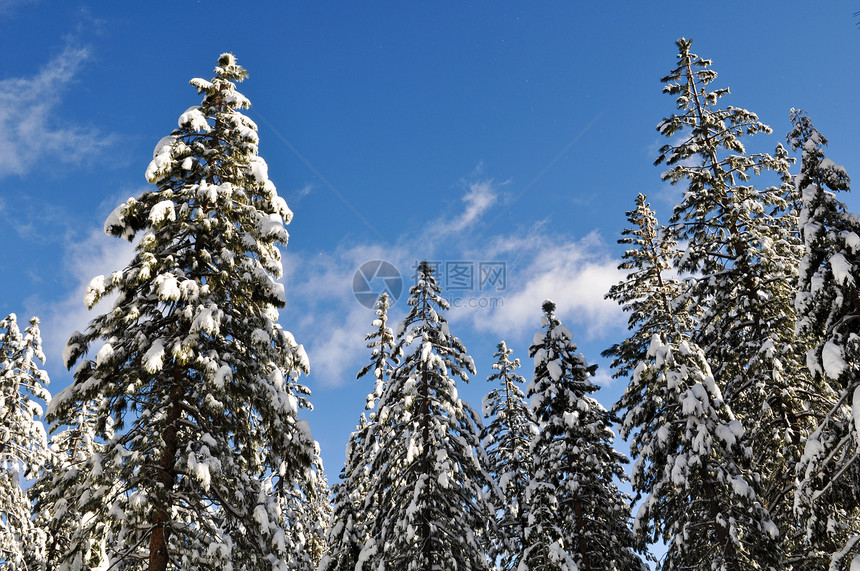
815 167
548 307
424 269
229 69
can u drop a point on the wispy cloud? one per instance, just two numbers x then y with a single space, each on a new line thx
479 197
32 128
295 196
324 315
7 7
85 256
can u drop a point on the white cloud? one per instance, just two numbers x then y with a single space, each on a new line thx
323 313
480 197
602 378
575 274
32 128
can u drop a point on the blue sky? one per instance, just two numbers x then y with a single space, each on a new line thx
514 133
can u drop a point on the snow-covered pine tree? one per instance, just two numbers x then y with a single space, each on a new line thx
383 356
347 532
429 483
190 362
507 439
692 462
306 514
578 519
741 250
318 511
650 293
23 442
353 512
690 455
75 451
828 307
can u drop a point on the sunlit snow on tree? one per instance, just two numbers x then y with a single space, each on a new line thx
507 439
23 443
428 487
739 250
827 499
577 518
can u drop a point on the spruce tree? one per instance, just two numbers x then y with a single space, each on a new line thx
650 293
190 363
383 356
429 481
306 512
693 464
741 251
828 306
348 530
23 442
507 440
75 450
318 510
578 519
353 510
691 457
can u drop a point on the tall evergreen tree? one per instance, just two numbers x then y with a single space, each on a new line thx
352 508
691 459
507 440
75 450
578 519
348 530
318 510
828 308
429 483
23 443
650 293
305 515
741 251
191 364
383 355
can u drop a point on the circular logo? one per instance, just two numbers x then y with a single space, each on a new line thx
374 278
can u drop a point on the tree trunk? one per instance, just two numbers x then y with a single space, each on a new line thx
730 554
158 553
427 547
580 532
